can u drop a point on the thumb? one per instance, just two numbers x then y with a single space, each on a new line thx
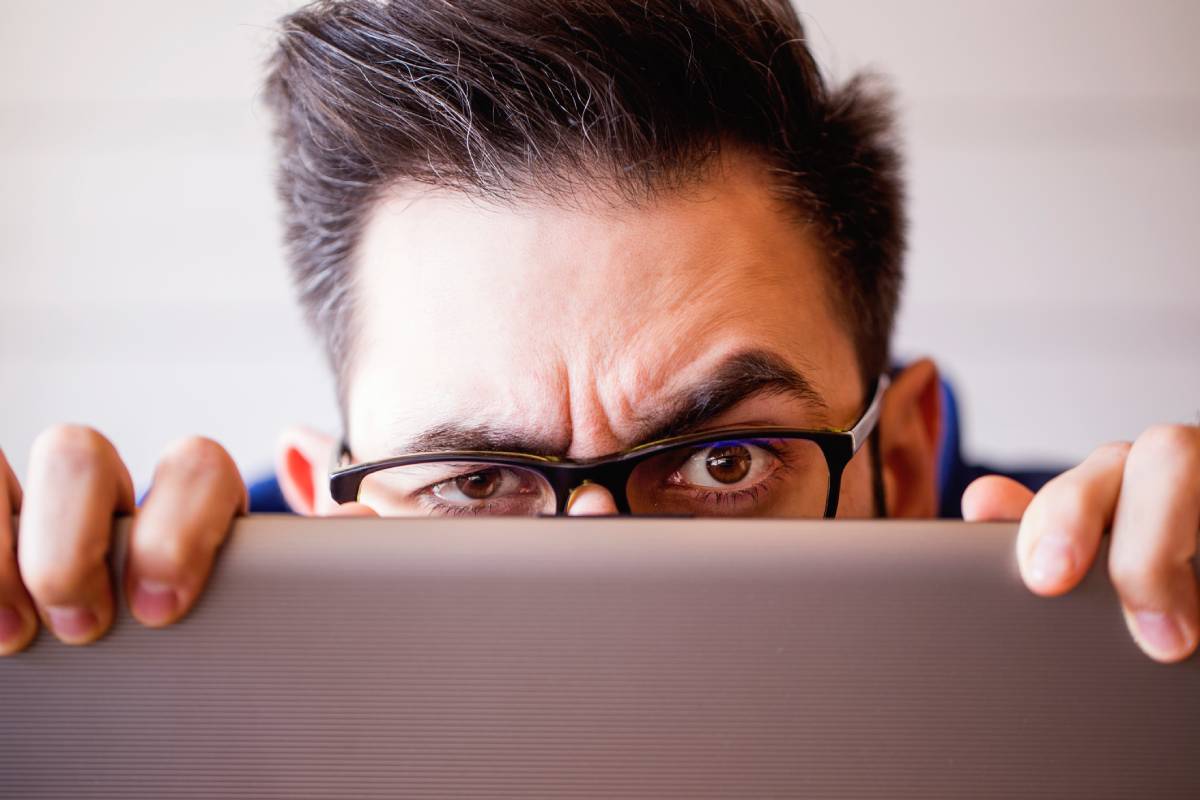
995 498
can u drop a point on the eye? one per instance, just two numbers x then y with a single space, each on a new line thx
492 483
479 485
728 465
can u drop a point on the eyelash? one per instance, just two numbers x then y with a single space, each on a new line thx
443 508
751 493
455 511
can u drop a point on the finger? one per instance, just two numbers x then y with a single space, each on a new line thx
995 499
197 491
1154 542
8 479
76 483
353 510
1061 530
18 620
590 500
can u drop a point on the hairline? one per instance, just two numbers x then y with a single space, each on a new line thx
591 199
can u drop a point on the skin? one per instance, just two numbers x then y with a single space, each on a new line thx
572 325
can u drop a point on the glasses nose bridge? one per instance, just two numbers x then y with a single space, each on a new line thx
610 476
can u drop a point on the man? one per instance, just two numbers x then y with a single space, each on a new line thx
560 230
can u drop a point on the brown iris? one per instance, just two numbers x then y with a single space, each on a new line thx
728 463
479 485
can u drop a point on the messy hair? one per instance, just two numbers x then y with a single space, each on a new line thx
514 98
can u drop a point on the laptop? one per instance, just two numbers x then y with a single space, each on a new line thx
608 658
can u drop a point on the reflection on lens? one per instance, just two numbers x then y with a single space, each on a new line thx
457 489
752 477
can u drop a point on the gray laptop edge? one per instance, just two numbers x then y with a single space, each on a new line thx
608 658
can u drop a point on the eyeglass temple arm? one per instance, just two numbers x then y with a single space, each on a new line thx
870 418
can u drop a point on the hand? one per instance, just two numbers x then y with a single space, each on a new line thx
1148 494
58 572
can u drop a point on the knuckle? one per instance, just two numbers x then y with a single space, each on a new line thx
1115 450
1071 502
197 450
69 449
197 457
176 555
54 583
1171 444
1129 576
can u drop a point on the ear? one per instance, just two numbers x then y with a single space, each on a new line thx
302 460
910 429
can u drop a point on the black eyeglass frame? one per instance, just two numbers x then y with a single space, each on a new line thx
564 475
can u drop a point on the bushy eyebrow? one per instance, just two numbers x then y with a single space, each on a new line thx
477 438
750 373
747 374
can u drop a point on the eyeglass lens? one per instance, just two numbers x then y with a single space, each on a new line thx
748 477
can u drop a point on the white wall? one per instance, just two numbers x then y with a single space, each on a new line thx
1055 173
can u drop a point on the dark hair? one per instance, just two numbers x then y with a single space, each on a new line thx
511 97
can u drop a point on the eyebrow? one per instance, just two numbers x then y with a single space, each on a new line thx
738 378
477 438
750 373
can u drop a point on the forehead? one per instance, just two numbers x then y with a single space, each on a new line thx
576 318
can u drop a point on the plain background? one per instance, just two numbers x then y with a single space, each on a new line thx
1054 152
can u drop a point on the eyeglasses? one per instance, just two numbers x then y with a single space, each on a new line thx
756 471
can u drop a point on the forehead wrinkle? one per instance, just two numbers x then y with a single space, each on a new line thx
650 367
525 412
680 338
732 307
596 398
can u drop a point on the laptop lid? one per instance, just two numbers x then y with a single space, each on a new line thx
608 658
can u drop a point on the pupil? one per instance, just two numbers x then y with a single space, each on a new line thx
728 464
479 485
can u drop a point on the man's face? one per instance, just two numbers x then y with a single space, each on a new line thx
583 329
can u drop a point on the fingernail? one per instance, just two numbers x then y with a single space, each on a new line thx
1162 634
1053 559
11 624
72 622
154 602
